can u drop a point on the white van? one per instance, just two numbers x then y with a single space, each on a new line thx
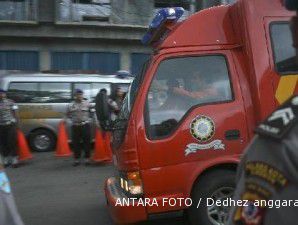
43 98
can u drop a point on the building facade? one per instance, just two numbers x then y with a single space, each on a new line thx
98 35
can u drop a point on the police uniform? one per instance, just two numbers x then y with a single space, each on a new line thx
268 173
80 113
8 130
8 211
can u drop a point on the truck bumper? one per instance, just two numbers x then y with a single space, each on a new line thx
122 214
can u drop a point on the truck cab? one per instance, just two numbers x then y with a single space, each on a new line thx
192 110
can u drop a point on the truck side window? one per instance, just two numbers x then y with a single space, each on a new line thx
285 58
182 83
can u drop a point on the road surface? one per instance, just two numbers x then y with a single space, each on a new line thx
50 191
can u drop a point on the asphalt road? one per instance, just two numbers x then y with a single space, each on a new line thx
50 191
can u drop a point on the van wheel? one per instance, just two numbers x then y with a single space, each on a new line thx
42 141
218 185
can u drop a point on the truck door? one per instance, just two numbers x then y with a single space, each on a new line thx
193 117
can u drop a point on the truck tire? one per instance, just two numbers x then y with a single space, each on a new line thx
42 140
218 185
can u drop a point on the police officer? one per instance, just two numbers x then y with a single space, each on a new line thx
80 112
8 211
8 130
268 174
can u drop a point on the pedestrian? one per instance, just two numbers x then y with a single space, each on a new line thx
267 176
80 113
8 211
115 102
8 130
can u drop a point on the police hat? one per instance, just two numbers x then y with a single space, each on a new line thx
79 91
2 91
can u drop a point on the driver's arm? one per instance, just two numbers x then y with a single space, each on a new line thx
195 94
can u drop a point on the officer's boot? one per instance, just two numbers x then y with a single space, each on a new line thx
87 162
15 162
76 162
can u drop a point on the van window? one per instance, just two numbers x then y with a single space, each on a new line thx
86 88
96 87
181 83
123 86
23 92
54 93
285 58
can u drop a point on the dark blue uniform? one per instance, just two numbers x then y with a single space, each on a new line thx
268 173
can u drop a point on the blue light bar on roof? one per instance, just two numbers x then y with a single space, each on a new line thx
157 27
123 74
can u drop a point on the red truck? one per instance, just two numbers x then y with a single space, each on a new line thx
192 110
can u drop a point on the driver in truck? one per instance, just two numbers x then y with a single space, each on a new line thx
201 86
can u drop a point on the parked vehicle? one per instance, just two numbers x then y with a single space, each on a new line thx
192 111
43 98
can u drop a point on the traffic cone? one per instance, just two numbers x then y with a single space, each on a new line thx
100 153
62 147
23 149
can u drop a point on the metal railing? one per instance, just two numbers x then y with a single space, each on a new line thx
18 10
80 11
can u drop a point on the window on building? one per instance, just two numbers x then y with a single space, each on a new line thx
19 60
137 61
180 84
18 10
286 61
23 92
102 62
83 10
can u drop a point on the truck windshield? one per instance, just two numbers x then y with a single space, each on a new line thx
121 122
132 93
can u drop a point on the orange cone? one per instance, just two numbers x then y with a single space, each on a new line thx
100 153
107 138
23 149
62 147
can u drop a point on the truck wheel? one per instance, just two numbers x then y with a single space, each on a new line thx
218 185
42 140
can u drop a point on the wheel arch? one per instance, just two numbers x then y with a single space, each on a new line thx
50 129
227 164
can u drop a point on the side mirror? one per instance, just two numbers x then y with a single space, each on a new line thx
102 109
